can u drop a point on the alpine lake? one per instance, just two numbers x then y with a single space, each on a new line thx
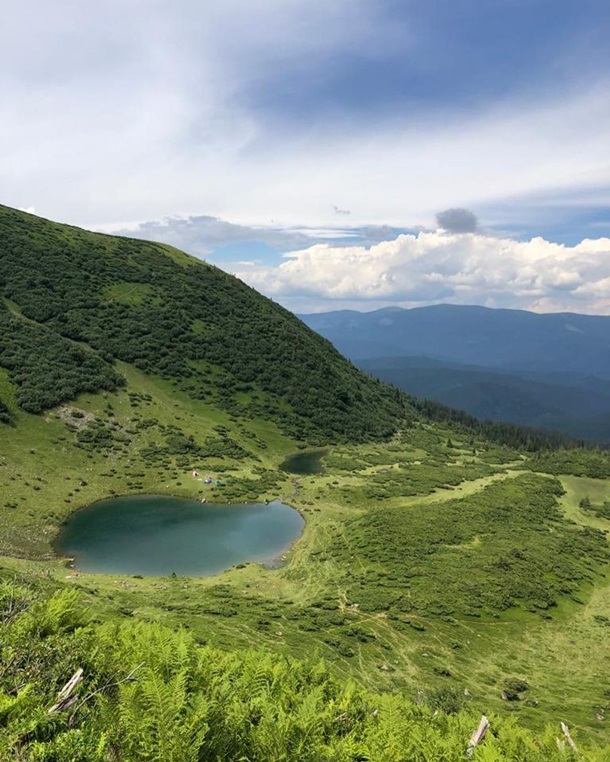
304 463
157 535
154 535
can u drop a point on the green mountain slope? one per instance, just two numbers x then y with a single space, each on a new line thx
438 562
174 316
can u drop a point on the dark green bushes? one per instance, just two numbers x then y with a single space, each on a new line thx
591 463
5 413
46 368
178 318
505 547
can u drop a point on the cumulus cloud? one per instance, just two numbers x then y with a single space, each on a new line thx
457 220
462 268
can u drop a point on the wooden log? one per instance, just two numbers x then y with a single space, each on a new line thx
65 699
479 734
566 731
105 687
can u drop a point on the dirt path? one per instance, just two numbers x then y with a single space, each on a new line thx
464 489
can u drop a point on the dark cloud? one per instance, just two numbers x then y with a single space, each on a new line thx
457 220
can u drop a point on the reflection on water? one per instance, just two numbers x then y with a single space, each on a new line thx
304 462
156 535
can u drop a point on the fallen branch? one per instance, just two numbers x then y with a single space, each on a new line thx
105 687
65 699
566 731
478 735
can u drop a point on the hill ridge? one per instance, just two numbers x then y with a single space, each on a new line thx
132 300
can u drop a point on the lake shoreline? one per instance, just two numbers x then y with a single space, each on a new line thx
54 529
156 535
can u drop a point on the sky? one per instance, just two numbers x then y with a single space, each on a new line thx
346 154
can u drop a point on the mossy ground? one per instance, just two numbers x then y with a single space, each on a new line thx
329 597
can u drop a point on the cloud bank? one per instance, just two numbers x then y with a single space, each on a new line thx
282 110
202 234
460 268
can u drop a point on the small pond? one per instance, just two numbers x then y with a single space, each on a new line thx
156 535
304 462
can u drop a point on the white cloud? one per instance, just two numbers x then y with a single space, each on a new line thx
135 109
457 268
200 234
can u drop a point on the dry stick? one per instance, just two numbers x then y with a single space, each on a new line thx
566 731
89 696
479 734
64 697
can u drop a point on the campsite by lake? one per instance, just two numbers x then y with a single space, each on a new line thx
158 535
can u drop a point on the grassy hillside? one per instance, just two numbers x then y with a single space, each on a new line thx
75 302
149 693
436 567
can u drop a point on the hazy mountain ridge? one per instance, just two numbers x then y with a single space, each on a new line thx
505 365
470 335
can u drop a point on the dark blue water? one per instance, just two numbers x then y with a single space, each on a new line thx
304 463
156 535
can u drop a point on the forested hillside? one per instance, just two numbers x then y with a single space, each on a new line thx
577 405
549 371
75 301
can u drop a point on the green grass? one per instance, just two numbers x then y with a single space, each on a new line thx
437 549
131 293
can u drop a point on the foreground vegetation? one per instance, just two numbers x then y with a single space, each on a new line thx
149 693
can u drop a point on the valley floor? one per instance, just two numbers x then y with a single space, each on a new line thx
432 565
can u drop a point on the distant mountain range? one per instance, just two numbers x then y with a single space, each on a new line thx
545 370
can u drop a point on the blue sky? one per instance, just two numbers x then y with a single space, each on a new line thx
444 56
248 130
